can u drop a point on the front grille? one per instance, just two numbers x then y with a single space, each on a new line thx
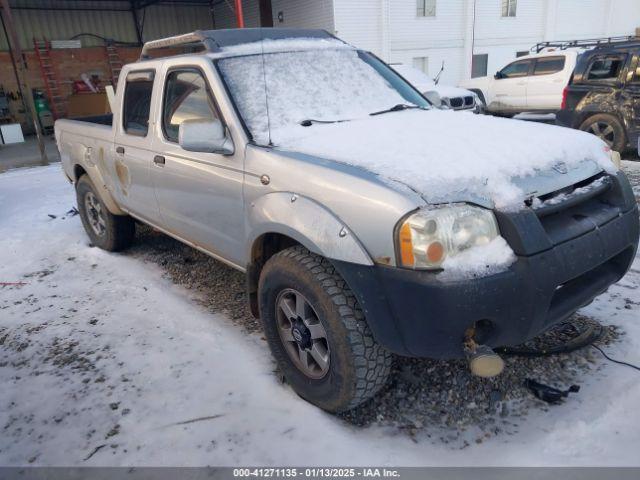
456 102
576 210
468 101
573 195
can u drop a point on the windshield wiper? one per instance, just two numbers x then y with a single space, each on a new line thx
310 121
397 108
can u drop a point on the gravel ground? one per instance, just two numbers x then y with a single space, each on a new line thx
437 399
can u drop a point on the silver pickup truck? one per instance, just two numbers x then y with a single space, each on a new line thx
368 222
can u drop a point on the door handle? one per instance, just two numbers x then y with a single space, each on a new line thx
159 160
120 150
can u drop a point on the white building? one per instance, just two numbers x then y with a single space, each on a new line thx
470 36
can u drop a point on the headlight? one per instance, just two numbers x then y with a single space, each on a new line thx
427 237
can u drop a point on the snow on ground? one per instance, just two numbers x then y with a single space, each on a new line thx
101 354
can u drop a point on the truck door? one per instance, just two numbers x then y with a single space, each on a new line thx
510 86
545 85
199 194
132 153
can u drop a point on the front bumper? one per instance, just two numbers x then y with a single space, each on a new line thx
417 313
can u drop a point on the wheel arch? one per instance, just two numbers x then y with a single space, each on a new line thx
283 219
90 161
101 188
263 248
480 94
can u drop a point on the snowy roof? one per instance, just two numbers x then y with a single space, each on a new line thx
216 41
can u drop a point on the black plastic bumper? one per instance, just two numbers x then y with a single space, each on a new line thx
418 313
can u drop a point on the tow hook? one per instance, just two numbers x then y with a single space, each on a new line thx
483 361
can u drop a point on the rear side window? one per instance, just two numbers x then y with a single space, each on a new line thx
137 103
635 77
548 65
516 69
605 68
186 98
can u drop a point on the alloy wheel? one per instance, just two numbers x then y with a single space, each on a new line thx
604 131
95 214
302 334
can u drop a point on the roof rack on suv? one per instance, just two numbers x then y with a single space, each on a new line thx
585 43
215 40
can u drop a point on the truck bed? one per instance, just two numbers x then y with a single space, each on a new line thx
77 138
106 119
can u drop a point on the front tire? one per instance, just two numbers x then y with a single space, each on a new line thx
317 332
608 128
107 231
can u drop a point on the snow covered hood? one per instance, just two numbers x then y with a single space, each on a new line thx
448 157
447 91
425 84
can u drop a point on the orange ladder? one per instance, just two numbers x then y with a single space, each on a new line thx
56 101
115 63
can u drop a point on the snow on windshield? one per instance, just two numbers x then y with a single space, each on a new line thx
318 84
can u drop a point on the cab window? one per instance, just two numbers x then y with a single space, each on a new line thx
137 103
186 97
515 69
605 68
548 65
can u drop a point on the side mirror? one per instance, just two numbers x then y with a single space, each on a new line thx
498 76
205 136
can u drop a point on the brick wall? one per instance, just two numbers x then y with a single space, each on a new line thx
69 64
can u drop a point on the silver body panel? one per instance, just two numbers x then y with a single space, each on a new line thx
222 204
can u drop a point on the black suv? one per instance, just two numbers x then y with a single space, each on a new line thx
603 94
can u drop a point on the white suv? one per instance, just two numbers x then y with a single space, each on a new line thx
532 83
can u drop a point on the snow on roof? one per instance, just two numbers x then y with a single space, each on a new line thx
283 45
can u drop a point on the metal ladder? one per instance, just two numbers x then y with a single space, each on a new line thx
56 101
115 63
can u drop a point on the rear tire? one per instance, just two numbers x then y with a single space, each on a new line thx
107 231
608 128
355 367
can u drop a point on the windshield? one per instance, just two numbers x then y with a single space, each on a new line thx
324 85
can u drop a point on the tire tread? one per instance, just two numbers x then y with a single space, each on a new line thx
373 363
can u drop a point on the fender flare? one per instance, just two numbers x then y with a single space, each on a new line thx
308 223
92 162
